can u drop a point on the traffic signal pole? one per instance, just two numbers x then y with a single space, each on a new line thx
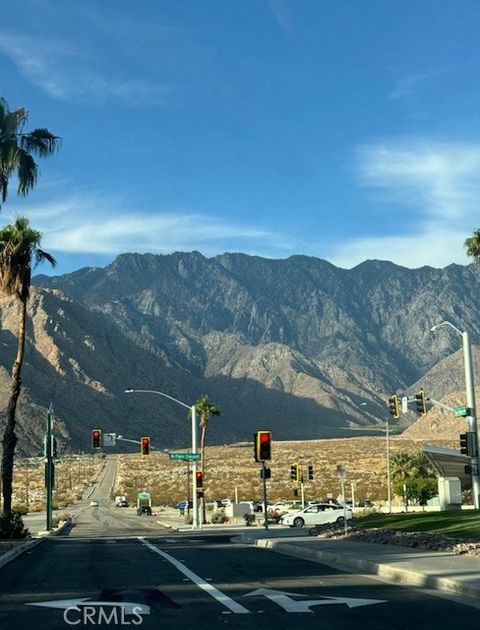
472 418
265 509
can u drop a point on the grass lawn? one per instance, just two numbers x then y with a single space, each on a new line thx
458 524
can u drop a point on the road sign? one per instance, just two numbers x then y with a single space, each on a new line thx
109 439
144 495
404 404
341 472
184 456
461 411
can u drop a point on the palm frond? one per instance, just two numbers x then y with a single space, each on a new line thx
27 173
3 185
19 246
41 142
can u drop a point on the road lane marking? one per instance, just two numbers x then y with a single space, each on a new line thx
283 599
225 600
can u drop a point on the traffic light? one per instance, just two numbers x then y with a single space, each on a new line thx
310 473
145 446
295 472
394 406
96 438
421 402
199 478
263 446
265 473
468 444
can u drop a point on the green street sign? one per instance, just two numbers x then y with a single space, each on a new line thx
461 411
184 456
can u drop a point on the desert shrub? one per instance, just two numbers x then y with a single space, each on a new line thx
20 509
249 519
218 517
12 527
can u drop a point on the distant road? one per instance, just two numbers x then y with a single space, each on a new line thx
104 520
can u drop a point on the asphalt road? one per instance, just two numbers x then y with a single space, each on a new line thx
104 520
204 581
114 568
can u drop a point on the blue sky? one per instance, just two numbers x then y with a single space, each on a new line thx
346 130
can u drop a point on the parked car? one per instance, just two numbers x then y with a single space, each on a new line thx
285 506
182 505
121 504
93 503
317 514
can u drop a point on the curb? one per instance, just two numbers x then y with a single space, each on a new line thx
7 557
389 572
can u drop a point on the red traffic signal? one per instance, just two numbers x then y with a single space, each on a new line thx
199 478
145 446
263 446
96 438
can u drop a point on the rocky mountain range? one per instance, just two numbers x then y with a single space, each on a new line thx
297 345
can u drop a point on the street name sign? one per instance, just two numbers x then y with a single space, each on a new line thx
109 439
184 456
461 411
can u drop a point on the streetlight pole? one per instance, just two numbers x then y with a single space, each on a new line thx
191 408
472 417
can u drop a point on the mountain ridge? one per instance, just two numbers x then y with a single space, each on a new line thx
297 337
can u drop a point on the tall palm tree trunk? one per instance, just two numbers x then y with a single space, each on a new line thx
9 437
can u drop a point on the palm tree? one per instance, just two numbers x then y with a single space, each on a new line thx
472 245
19 251
17 147
205 410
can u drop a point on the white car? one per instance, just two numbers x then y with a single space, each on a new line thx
93 503
317 514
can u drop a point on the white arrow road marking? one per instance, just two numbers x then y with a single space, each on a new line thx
129 608
196 579
283 599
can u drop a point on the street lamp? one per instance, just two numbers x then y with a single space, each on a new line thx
192 409
472 417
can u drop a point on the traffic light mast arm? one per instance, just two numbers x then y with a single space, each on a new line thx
412 399
437 403
137 442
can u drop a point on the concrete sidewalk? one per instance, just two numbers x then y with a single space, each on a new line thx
405 565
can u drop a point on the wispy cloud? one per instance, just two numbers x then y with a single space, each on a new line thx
438 187
412 83
101 227
64 71
438 179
